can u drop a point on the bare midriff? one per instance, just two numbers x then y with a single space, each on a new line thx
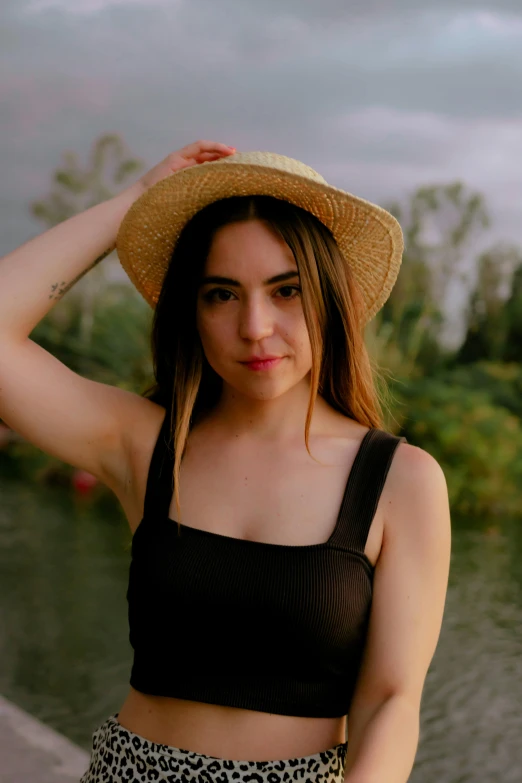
227 732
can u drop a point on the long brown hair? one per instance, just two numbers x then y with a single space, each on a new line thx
342 372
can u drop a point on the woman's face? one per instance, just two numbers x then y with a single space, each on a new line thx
249 312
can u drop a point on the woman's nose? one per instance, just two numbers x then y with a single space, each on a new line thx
256 319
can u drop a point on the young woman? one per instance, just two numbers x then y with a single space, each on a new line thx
290 558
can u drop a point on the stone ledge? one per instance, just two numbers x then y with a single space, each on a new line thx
32 751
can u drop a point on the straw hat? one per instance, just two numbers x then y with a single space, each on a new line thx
368 236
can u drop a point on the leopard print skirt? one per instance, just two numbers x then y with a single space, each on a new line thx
120 755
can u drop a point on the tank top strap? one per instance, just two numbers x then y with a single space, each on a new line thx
160 479
363 489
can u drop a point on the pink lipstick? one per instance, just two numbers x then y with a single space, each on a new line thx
258 363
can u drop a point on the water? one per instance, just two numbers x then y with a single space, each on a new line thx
65 655
64 649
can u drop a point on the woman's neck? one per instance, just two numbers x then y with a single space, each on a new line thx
281 418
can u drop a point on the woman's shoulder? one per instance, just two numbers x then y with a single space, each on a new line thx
413 465
415 495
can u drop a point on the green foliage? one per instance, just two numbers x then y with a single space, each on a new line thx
513 308
493 324
478 443
502 382
119 351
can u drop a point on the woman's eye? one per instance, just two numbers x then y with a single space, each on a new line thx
221 295
218 295
289 291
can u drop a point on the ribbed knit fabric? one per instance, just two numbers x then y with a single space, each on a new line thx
266 627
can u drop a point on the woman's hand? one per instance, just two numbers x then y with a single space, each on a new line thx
198 152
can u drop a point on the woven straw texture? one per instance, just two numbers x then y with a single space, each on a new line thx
368 236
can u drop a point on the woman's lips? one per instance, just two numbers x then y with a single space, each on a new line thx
263 364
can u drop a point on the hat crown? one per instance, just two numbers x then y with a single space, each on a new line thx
271 160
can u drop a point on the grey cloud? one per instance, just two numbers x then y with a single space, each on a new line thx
257 74
371 7
324 11
224 62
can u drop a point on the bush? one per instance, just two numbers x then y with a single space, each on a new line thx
477 442
118 349
502 382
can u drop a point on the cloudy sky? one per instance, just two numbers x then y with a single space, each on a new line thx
379 96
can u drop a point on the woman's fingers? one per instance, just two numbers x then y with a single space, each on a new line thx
197 152
202 157
197 147
208 156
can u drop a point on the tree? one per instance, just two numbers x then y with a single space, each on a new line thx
513 308
488 317
439 224
75 189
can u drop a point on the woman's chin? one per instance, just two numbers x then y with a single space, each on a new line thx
268 389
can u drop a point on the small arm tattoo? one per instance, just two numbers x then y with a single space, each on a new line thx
60 289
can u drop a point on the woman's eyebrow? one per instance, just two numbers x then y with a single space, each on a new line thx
217 279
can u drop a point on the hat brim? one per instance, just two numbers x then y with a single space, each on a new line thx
369 237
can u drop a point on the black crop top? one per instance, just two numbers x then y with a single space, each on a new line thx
268 627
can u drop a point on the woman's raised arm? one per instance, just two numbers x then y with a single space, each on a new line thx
73 418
